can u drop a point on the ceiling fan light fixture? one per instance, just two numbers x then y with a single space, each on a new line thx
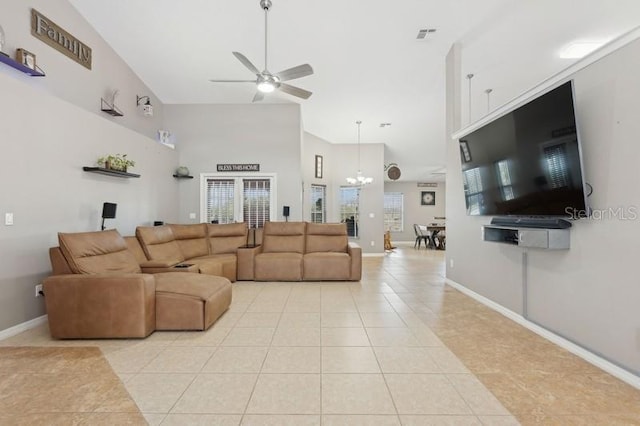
266 87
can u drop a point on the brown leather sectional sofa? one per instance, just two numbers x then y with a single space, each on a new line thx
177 277
98 290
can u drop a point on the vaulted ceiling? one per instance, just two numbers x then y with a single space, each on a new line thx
368 63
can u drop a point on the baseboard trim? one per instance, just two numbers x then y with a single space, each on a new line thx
19 328
616 371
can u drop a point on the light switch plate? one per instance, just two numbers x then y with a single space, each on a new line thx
8 219
192 215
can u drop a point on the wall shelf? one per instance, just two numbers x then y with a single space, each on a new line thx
110 109
110 172
550 239
182 177
17 65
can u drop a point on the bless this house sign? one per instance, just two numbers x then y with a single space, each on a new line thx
47 31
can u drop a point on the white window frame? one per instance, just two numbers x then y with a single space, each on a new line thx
357 213
400 195
239 193
323 213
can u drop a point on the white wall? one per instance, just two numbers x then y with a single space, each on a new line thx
45 142
414 211
69 80
268 134
589 293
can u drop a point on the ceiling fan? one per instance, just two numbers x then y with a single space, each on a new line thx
267 82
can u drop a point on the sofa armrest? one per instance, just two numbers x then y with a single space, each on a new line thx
355 252
246 258
100 306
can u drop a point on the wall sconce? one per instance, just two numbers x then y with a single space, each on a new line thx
147 108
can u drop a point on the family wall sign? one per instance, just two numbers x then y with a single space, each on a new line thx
47 31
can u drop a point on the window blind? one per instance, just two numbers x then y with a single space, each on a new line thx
220 200
393 211
256 201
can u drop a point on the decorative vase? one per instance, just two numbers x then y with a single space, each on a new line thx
182 171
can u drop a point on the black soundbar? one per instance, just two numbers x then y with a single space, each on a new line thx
532 222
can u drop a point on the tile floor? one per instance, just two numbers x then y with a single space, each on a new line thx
397 348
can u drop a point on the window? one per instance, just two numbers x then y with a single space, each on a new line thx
238 199
504 176
473 190
393 211
349 203
256 202
318 203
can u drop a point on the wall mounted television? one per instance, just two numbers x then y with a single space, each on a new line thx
527 162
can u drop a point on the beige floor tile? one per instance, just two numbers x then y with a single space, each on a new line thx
374 307
228 319
302 306
236 359
440 421
392 337
381 319
211 337
425 394
477 396
355 394
259 319
156 393
499 421
359 420
341 319
447 361
338 306
154 419
426 337
267 306
280 420
180 359
298 320
286 394
344 336
341 359
216 394
296 337
202 420
292 360
405 360
132 359
248 337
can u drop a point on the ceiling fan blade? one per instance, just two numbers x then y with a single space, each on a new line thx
295 91
295 72
232 81
258 97
247 63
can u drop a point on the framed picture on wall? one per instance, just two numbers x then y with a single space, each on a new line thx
428 198
319 166
464 151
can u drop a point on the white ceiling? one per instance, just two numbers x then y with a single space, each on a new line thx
368 64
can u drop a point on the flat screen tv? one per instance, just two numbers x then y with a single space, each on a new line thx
526 162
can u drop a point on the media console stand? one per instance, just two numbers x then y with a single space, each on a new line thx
539 238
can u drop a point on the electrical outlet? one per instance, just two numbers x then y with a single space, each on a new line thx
451 263
8 219
192 215
39 291
373 243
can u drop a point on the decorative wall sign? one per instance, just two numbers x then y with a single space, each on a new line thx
319 166
26 58
428 198
427 185
48 32
238 167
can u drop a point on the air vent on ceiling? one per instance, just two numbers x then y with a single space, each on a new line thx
423 33
383 125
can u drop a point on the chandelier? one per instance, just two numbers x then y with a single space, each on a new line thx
359 180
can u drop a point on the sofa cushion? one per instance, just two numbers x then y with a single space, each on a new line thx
278 267
198 286
192 239
283 237
226 238
159 243
326 237
327 267
99 252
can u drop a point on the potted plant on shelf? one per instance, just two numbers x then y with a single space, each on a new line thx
117 162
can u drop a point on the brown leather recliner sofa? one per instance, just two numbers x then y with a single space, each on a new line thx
297 251
210 249
98 290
